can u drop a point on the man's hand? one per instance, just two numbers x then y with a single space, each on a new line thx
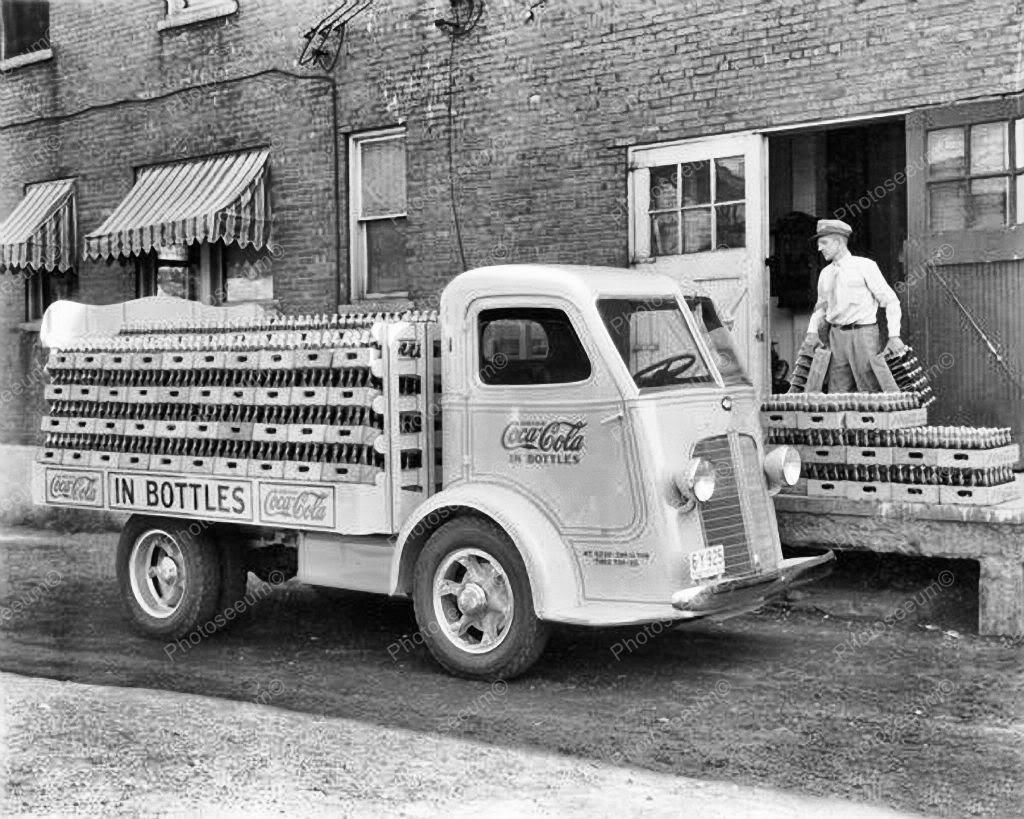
895 347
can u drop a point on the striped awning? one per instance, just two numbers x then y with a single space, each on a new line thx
219 198
40 233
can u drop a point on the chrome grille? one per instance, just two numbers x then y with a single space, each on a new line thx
761 528
722 517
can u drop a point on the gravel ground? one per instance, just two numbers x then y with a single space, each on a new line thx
827 696
74 749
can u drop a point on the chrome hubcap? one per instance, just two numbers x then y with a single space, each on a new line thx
156 570
473 600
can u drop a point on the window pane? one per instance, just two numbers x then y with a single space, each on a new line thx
26 26
729 179
988 202
665 234
1020 199
383 177
521 346
248 274
1018 130
177 280
696 182
989 148
731 226
385 255
946 152
663 188
696 230
947 206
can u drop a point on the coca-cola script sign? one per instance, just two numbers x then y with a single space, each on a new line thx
79 488
297 504
558 441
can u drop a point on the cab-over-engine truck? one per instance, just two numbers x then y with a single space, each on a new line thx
599 462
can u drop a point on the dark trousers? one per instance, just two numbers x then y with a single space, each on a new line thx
850 367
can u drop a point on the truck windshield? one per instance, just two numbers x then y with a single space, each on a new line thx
656 344
719 339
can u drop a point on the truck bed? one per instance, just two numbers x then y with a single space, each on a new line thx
325 424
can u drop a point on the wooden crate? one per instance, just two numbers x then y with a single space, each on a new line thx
914 493
880 455
979 495
819 369
919 456
822 454
820 420
860 419
826 489
774 419
978 458
884 375
868 491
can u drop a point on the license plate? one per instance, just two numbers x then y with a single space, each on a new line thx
708 562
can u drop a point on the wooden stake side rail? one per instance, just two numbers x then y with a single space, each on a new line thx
253 436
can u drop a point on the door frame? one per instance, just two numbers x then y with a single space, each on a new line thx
754 297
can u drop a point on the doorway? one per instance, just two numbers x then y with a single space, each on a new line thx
855 172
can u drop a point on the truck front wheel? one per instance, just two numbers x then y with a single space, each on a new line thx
169 578
473 602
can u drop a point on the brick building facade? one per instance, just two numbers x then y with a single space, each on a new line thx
533 135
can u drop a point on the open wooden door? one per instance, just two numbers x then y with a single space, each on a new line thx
698 214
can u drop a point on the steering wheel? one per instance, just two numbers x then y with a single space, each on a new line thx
665 371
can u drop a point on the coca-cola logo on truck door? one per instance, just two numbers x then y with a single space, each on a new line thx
545 442
294 504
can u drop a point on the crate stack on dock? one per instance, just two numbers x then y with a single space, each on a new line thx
288 398
878 447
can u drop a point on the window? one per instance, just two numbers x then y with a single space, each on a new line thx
697 206
25 27
186 12
655 342
43 288
209 272
530 346
378 214
975 176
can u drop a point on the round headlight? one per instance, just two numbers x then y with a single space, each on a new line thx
782 466
700 479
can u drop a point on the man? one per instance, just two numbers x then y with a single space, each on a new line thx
850 291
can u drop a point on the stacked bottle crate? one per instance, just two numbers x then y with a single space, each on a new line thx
876 446
292 398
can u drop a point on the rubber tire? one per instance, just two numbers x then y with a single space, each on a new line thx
198 603
527 636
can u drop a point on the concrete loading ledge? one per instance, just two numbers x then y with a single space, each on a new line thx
992 535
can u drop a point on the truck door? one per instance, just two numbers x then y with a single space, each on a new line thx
546 417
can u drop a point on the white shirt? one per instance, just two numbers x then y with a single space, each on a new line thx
850 291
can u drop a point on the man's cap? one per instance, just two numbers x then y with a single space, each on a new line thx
833 227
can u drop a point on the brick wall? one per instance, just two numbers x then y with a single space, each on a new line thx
544 111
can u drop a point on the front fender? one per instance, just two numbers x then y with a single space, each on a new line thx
554 575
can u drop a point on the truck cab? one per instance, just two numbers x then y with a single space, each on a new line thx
603 421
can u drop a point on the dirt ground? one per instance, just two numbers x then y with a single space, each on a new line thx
871 687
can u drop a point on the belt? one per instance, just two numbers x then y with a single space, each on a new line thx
852 326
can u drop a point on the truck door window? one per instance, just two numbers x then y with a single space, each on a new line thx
535 345
655 342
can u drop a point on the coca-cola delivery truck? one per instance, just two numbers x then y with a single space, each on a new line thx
556 445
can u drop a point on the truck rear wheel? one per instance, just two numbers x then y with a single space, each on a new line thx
169 578
473 602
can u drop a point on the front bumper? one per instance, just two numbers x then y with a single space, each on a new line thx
736 596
